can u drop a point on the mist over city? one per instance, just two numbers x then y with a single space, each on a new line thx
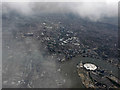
60 45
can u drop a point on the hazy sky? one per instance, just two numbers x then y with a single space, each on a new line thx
108 1
92 10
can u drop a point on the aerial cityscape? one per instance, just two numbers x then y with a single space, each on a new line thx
51 45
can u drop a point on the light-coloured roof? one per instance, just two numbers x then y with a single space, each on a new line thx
90 66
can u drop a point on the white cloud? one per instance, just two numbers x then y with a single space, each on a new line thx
96 11
108 1
91 10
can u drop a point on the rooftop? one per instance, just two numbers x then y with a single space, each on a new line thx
90 66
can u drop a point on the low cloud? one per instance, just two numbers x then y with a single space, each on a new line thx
93 11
